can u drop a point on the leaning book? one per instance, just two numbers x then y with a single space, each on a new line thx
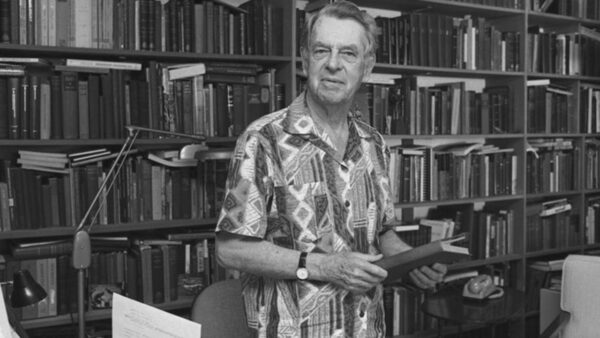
441 251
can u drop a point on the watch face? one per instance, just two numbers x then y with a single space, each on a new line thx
302 273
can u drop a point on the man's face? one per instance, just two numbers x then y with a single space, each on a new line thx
335 62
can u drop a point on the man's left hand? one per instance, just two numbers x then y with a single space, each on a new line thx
427 277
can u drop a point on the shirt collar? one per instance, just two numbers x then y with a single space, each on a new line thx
298 120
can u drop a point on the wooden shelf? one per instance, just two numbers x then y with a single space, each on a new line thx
71 319
199 224
136 55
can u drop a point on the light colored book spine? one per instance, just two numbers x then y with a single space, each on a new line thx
104 64
42 278
95 23
45 118
82 10
107 27
22 22
84 118
52 286
52 23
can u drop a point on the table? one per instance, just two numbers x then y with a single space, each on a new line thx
450 305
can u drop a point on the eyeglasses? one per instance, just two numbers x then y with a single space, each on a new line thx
348 55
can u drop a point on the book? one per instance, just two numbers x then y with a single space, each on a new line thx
25 60
442 251
551 265
179 72
173 162
104 64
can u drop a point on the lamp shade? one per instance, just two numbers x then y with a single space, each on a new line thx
26 290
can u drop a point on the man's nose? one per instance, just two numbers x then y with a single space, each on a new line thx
333 63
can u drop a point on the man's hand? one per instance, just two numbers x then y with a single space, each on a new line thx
352 271
427 277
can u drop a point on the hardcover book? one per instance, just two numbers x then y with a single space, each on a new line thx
443 251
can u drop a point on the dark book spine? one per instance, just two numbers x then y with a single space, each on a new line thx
5 21
24 106
157 272
4 112
94 106
70 117
188 15
55 107
34 110
13 107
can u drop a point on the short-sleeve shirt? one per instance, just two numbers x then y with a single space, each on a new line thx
286 186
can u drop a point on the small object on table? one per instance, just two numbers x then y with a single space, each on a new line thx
482 287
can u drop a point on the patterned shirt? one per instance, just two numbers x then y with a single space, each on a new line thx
285 185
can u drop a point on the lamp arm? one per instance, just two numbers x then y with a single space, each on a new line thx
82 251
129 141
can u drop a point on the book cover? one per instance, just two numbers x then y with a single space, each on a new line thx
399 265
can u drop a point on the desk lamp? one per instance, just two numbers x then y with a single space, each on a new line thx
25 291
82 251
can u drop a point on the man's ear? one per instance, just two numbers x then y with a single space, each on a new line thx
369 64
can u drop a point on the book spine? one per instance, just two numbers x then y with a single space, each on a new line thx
70 116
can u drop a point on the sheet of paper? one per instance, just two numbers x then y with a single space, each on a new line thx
6 329
132 319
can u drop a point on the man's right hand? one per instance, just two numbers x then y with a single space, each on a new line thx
352 271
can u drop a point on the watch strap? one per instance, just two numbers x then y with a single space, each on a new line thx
302 260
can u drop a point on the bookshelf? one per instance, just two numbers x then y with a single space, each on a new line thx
424 78
552 142
227 37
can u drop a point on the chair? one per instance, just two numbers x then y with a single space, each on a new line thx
219 308
580 296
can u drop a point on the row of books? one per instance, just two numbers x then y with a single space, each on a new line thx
177 25
88 99
585 9
145 190
492 234
517 4
490 231
551 165
592 164
432 40
150 270
568 53
442 109
550 108
552 224
422 173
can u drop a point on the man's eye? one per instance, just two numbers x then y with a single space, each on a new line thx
349 56
319 53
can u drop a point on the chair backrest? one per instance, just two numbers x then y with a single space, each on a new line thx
219 308
580 295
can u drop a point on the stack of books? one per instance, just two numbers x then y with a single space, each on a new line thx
61 162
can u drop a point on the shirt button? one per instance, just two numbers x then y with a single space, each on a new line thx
347 204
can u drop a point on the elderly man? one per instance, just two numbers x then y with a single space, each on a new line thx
308 207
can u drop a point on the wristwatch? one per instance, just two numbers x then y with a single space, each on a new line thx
302 272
